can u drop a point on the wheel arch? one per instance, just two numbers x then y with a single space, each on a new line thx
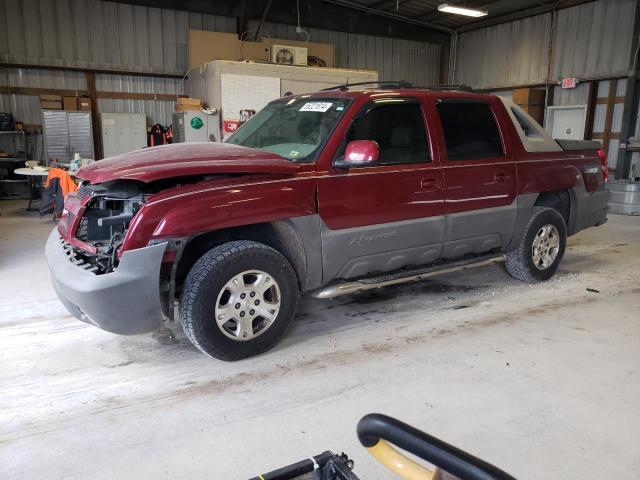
564 202
280 235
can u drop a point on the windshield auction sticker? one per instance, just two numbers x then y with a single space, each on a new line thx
316 107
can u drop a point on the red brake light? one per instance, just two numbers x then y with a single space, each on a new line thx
602 155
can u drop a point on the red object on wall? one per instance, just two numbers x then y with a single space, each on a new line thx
230 126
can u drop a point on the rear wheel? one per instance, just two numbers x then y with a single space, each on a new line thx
238 300
542 247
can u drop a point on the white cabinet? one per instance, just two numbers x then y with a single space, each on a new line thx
123 132
566 121
237 90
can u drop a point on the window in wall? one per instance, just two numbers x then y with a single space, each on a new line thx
397 128
470 130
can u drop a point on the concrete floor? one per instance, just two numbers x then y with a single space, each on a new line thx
540 380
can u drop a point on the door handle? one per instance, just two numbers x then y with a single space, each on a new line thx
501 177
429 183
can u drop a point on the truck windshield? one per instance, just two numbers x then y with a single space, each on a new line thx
295 129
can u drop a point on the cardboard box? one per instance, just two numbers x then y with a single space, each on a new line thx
188 101
188 104
205 46
536 111
84 103
528 96
50 105
70 103
187 108
51 98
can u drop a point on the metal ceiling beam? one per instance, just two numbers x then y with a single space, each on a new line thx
387 14
344 16
382 4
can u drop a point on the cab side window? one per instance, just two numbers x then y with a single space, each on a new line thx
470 130
397 128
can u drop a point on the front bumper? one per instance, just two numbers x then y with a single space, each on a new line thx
125 301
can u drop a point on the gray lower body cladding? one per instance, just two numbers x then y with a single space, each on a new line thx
357 251
590 208
125 301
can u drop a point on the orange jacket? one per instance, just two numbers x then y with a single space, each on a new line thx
66 182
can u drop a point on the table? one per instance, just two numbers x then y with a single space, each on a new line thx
31 174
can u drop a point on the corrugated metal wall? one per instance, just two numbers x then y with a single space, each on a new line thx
113 36
157 111
504 55
392 58
599 117
592 40
106 35
99 34
571 96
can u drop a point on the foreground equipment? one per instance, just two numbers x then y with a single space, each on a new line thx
378 433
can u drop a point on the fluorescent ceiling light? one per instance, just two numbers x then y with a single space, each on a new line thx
469 12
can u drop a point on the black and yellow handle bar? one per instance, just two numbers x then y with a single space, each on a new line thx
377 432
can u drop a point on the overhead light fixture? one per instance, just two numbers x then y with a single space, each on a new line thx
469 12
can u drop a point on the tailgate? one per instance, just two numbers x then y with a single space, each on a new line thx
568 145
594 174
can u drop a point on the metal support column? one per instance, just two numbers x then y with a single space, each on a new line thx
631 99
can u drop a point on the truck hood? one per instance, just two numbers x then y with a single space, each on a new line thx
184 159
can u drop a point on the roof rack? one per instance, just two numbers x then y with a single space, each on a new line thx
388 84
401 84
446 86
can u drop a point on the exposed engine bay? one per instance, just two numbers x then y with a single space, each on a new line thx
110 208
105 220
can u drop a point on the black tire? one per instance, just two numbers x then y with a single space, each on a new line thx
520 263
208 277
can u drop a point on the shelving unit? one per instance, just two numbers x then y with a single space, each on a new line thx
11 184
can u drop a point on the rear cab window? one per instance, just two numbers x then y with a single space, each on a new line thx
470 129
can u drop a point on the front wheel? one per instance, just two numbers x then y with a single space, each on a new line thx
238 300
542 247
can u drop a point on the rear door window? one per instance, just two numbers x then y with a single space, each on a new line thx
470 130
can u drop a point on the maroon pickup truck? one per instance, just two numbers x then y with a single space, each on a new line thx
330 193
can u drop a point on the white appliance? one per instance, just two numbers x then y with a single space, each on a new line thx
123 132
235 91
288 55
566 122
191 127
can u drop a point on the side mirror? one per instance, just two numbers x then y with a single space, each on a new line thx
360 153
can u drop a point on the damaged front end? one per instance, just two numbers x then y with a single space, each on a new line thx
98 282
95 221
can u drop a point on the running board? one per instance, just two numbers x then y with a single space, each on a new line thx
361 285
